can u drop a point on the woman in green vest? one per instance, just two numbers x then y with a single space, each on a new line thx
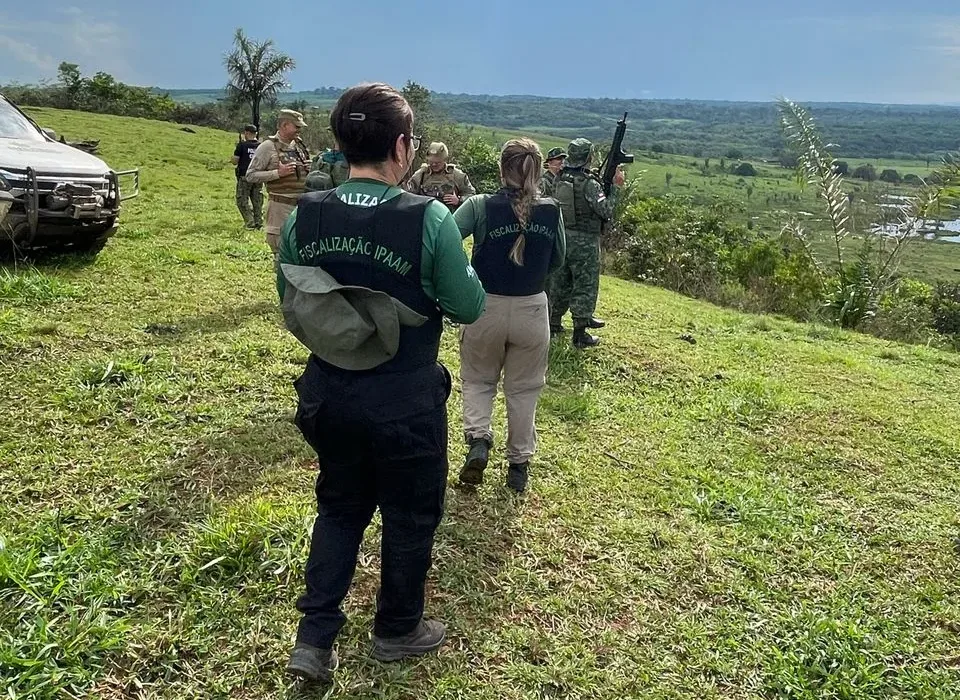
366 271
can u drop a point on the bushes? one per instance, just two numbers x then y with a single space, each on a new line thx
890 175
669 243
780 277
945 308
481 162
903 314
698 252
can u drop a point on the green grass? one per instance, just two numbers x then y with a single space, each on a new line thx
769 512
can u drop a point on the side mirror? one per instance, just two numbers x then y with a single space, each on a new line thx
51 133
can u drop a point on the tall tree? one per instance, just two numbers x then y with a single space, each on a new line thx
257 72
419 98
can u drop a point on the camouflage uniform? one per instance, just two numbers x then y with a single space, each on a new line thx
452 180
330 169
546 183
585 208
248 194
283 192
548 178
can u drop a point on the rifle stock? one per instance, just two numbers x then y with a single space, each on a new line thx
615 157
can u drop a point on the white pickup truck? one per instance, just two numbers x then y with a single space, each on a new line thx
52 193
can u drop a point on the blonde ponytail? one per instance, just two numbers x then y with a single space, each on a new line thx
520 165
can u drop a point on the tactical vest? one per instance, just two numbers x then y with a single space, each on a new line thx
292 185
546 183
437 185
491 260
569 189
379 248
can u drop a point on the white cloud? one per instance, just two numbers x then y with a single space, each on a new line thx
73 36
27 53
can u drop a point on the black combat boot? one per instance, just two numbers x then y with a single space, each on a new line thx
477 457
517 476
582 339
427 637
312 663
595 323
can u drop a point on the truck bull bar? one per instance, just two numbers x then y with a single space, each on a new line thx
32 195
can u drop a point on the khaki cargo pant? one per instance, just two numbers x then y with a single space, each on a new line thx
277 213
511 338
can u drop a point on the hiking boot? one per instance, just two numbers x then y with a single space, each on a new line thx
582 339
477 458
595 323
427 637
310 663
517 476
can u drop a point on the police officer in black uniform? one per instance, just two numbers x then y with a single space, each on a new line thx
366 271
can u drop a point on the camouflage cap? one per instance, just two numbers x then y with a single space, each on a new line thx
579 152
555 153
291 116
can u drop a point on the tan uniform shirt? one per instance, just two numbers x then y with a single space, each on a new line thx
264 168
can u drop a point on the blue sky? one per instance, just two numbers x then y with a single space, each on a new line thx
856 50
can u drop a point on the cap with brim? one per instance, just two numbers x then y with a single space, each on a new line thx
351 327
555 153
292 116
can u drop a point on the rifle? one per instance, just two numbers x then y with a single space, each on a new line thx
615 157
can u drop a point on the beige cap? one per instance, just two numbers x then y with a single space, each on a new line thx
291 116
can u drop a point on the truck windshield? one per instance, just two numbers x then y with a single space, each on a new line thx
14 125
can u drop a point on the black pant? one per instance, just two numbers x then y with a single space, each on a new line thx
382 442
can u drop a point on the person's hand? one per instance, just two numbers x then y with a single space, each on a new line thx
619 177
287 169
451 199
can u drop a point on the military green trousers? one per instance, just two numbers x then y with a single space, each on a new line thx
575 286
250 194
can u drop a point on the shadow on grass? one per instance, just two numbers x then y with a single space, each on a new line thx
218 469
222 320
58 256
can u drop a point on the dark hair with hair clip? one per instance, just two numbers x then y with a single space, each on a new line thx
367 120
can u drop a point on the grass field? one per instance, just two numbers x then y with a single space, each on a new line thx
723 506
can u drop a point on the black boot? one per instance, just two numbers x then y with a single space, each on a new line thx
312 664
472 472
517 476
427 637
582 339
595 323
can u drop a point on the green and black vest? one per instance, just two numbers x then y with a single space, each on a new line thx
378 247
